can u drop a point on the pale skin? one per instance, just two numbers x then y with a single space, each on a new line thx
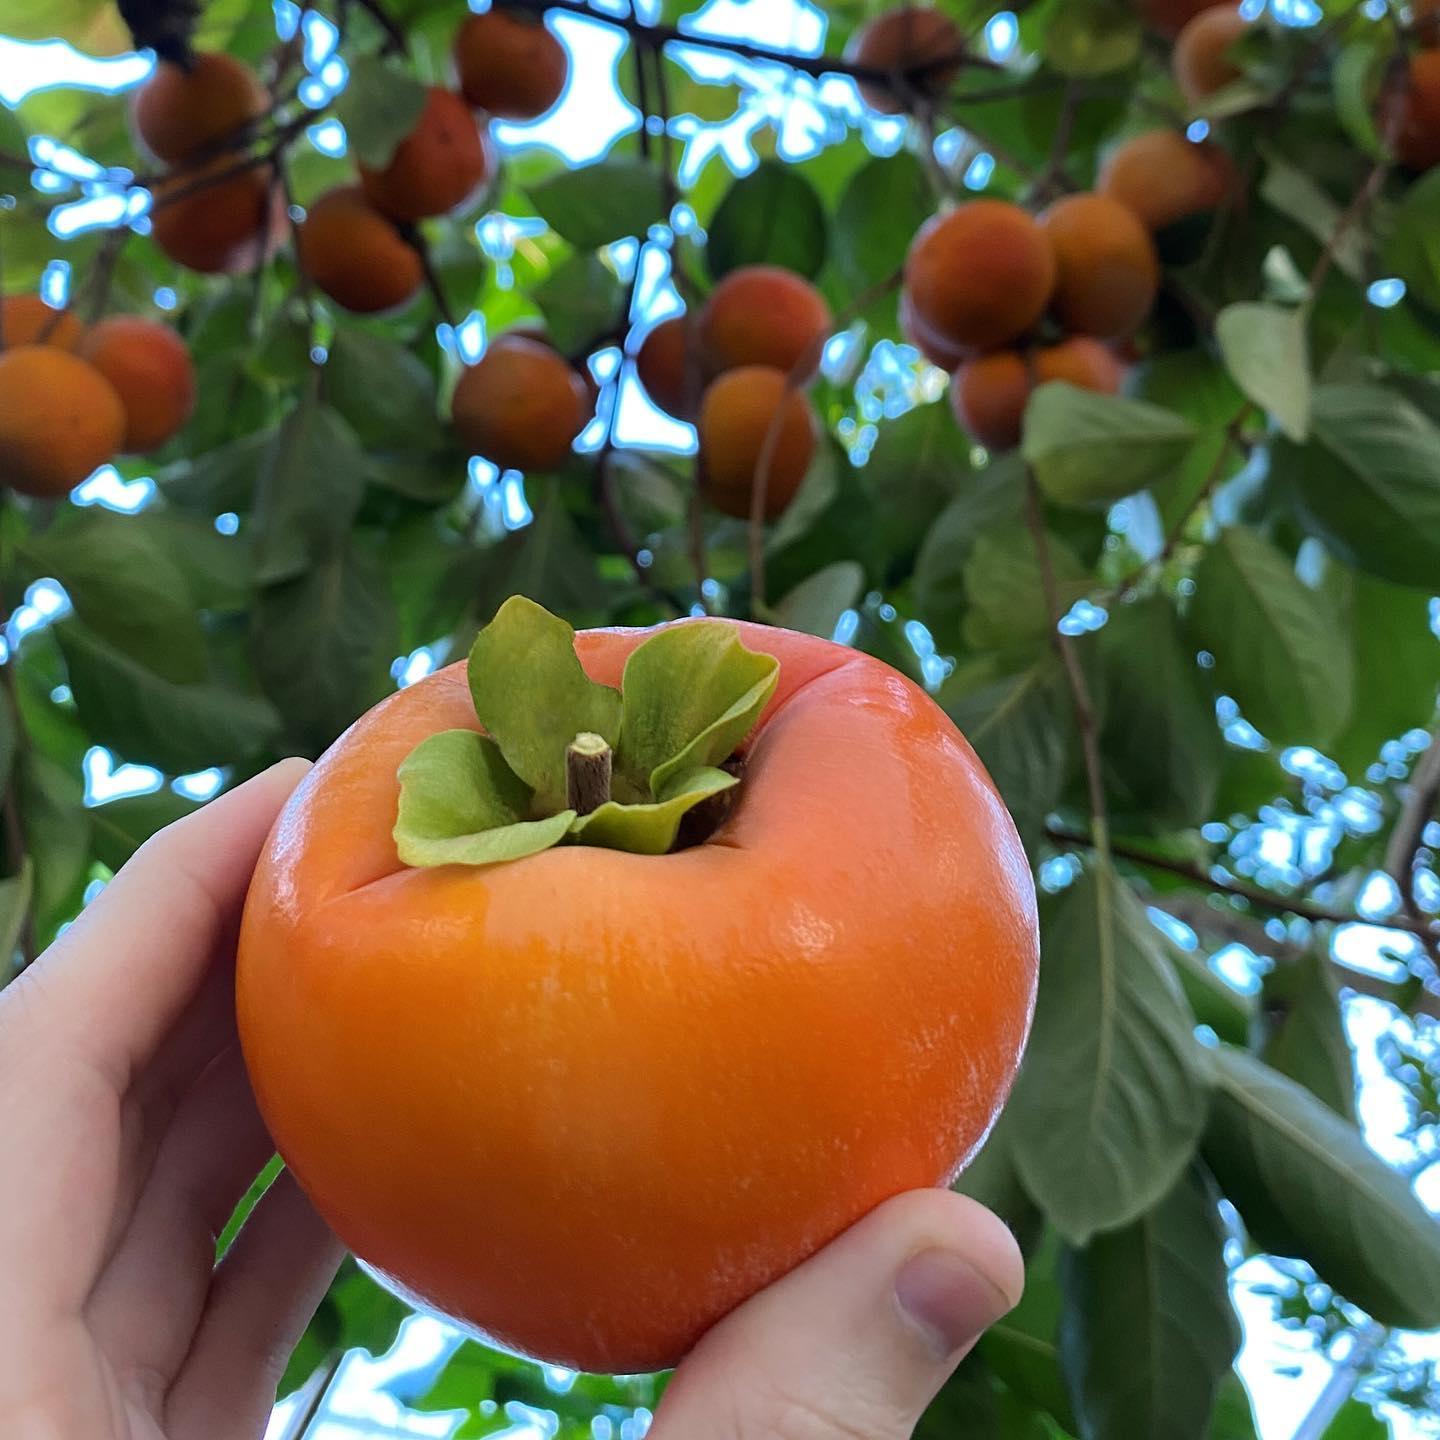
128 1132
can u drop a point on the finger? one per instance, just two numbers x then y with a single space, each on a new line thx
858 1339
121 976
263 1295
148 1300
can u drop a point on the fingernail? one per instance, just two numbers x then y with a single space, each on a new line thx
948 1300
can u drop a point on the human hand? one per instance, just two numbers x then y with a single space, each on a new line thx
128 1134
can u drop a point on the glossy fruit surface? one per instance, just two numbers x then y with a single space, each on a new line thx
1107 271
217 219
1163 177
911 38
521 405
510 65
60 419
28 320
149 366
670 367
737 415
182 112
589 1101
763 315
438 166
356 255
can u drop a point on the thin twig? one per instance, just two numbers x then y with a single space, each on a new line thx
310 1406
395 42
1408 838
1052 178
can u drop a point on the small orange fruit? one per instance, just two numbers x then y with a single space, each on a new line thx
510 65
920 47
60 420
150 368
28 320
436 168
356 255
182 110
737 415
521 406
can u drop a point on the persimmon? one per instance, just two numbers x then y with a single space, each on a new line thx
217 217
28 320
356 255
1163 177
181 111
438 166
764 315
989 393
149 365
588 1101
1201 59
666 359
920 47
737 413
932 345
1107 270
1410 112
510 65
521 405
60 419
981 274
1170 17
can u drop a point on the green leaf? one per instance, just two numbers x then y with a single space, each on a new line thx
597 204
17 892
1084 38
356 1313
1356 80
57 837
150 720
1414 249
692 693
248 1201
378 107
918 464
1274 640
816 604
460 804
1355 1420
1148 1333
533 696
772 216
1111 1098
1232 1418
1006 596
581 300
1306 1039
1089 449
1265 350
1295 194
885 202
1160 741
382 390
651 828
123 826
1307 1185
1368 484
1226 1010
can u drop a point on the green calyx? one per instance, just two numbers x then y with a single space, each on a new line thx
566 760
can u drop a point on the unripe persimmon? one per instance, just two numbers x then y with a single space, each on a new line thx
1201 59
356 255
149 366
217 218
989 393
521 405
1107 270
1163 177
1410 113
736 417
981 274
670 367
509 65
1170 17
28 320
182 110
60 419
438 166
920 47
764 315
932 345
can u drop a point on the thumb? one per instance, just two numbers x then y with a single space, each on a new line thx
858 1339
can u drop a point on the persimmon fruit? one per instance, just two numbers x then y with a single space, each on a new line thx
60 419
588 1101
933 346
737 413
356 255
763 315
1164 177
981 274
509 65
438 166
670 367
919 46
1410 112
181 111
216 218
1107 270
28 320
1200 60
521 405
149 365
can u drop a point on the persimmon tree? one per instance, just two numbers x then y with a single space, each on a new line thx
1088 379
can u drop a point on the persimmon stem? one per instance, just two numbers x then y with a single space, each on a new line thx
587 772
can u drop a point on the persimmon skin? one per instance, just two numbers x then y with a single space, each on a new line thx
1163 177
509 66
1107 271
225 226
355 255
149 365
178 113
1200 60
520 405
1411 113
764 315
933 346
60 420
588 1102
664 363
28 317
981 274
1170 17
905 39
736 415
436 168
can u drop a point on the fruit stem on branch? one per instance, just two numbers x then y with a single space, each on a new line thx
587 772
